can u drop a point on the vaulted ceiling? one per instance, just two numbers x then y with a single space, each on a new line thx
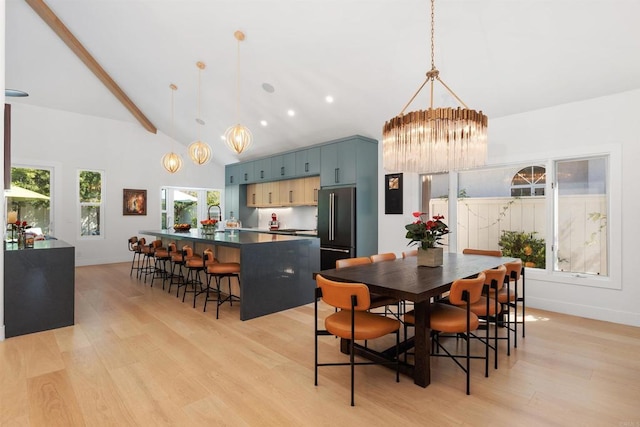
500 56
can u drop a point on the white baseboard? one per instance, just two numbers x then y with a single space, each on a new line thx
587 311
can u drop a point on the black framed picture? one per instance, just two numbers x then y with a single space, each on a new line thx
393 194
134 202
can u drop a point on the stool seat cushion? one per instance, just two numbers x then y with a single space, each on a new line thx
223 268
367 325
446 318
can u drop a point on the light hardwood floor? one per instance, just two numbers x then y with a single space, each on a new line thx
138 356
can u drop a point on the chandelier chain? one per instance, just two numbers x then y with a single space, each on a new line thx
433 14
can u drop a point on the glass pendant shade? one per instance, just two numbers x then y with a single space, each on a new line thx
172 162
238 138
200 152
436 139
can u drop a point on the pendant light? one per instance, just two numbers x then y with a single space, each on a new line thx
199 151
172 162
238 137
435 140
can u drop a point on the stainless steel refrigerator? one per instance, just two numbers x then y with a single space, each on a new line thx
336 225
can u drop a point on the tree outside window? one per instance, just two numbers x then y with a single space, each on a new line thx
90 197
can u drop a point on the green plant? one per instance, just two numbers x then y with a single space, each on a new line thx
529 249
426 233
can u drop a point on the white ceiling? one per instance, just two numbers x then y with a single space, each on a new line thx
500 56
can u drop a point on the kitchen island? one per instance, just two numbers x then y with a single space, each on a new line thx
276 271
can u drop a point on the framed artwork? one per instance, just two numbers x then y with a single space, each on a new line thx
134 202
393 193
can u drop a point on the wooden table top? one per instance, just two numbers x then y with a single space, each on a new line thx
403 279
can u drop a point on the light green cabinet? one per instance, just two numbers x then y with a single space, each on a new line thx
262 170
308 162
283 166
339 163
232 174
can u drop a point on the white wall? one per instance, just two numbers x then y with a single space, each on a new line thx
591 124
130 158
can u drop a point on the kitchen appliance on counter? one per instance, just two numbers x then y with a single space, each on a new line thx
274 224
336 225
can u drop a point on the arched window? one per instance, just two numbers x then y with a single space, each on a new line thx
529 181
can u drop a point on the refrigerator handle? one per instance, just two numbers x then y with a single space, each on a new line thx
331 216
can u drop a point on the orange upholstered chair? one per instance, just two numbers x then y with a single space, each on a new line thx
388 256
352 322
218 271
407 254
486 252
376 300
456 318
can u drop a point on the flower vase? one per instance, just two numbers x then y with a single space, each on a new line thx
430 257
21 240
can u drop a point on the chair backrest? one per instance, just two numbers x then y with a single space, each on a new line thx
187 251
389 256
470 287
141 243
338 294
172 247
514 269
348 262
208 257
498 275
486 252
407 254
157 244
132 243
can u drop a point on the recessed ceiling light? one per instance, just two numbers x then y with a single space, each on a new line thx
329 99
291 113
268 88
263 122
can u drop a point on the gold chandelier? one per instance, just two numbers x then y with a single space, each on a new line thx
172 162
199 151
238 137
435 140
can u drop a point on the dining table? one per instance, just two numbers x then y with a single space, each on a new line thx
404 280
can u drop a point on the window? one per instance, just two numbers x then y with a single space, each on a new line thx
529 181
30 197
90 190
581 214
187 205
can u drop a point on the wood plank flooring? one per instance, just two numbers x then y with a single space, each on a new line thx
138 356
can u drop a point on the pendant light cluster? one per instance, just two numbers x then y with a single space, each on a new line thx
199 151
172 162
435 140
238 137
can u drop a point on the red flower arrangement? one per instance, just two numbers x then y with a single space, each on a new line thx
426 233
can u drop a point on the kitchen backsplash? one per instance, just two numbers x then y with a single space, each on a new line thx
300 217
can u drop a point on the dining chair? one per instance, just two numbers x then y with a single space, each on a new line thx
486 252
456 318
352 322
407 254
377 300
388 256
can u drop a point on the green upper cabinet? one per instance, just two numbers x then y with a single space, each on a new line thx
246 173
308 162
283 166
338 163
232 174
262 170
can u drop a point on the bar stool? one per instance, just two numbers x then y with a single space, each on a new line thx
219 270
179 260
139 248
148 253
162 255
133 247
194 266
515 271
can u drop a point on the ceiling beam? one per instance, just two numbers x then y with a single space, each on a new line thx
48 16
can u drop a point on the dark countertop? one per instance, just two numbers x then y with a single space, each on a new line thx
39 244
237 238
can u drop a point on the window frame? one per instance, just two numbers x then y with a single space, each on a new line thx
101 205
613 152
